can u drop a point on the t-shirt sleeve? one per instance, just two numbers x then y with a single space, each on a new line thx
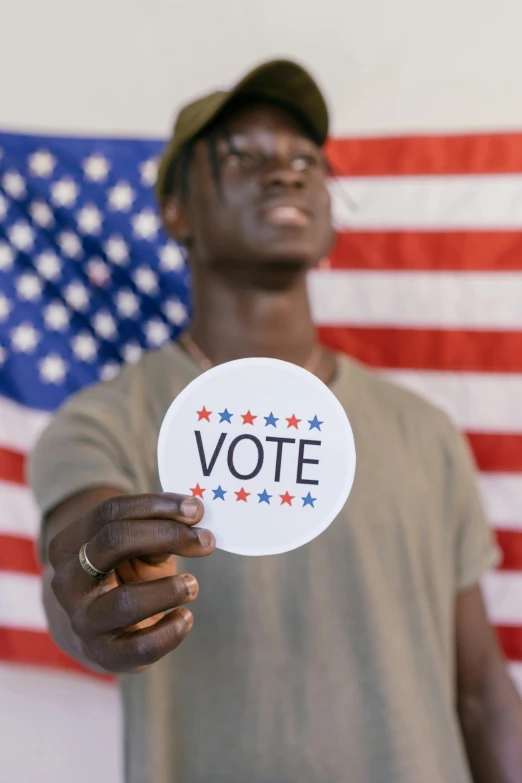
86 444
475 548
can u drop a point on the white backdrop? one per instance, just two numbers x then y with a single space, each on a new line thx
111 65
121 67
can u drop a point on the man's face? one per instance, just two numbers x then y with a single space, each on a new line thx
271 205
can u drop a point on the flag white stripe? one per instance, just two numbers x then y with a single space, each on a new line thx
467 397
477 402
502 497
21 602
20 426
501 494
486 201
20 515
503 597
449 300
515 670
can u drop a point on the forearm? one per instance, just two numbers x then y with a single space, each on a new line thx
491 720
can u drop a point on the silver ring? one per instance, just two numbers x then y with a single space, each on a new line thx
88 566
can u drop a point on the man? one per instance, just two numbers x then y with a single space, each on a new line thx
365 656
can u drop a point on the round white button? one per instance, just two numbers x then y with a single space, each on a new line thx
266 446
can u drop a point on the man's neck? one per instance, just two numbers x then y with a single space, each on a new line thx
240 319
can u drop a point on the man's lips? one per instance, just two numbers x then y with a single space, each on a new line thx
286 215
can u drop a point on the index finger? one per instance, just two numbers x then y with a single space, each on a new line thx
164 505
168 506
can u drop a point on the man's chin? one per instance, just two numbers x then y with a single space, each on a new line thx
279 274
286 258
267 272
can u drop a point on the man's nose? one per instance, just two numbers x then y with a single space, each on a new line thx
282 176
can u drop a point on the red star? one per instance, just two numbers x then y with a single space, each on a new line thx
197 491
242 495
293 422
203 414
286 498
248 418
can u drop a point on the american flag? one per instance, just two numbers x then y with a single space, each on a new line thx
425 285
88 281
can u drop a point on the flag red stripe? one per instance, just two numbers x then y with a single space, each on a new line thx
428 349
510 542
38 649
12 466
494 251
497 452
18 554
492 153
510 638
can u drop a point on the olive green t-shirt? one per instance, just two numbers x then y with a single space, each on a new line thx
333 663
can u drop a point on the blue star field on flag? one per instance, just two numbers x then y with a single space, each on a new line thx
88 279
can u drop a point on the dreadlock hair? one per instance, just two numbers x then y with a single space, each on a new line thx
177 175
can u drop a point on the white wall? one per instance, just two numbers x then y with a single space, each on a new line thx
121 66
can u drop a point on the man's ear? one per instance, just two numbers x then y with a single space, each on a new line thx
175 220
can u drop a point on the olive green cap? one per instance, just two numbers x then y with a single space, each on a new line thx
281 81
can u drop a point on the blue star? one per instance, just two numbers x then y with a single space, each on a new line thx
315 424
309 500
264 497
225 416
220 493
270 420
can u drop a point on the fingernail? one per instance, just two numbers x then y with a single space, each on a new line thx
187 616
191 584
206 538
190 508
